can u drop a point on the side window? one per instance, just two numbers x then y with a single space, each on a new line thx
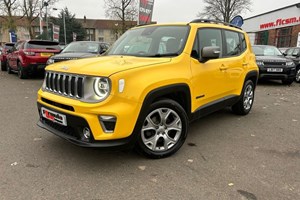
233 43
296 52
209 37
289 52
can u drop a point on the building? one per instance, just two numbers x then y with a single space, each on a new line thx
104 30
280 27
96 29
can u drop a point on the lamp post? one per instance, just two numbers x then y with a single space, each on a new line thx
64 21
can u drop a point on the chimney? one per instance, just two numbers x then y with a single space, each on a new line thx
84 19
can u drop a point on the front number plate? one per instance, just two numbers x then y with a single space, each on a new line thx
274 69
54 116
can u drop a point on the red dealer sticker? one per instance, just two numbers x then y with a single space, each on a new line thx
54 116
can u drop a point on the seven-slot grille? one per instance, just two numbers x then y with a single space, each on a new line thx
65 84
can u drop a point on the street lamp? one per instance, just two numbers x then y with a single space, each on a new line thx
64 20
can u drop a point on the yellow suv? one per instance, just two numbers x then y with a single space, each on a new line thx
148 86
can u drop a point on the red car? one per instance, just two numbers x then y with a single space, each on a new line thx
3 54
28 57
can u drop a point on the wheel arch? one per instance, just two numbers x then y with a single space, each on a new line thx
253 76
177 92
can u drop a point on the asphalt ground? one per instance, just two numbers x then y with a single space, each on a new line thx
224 157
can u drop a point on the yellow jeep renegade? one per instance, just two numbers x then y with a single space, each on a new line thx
148 86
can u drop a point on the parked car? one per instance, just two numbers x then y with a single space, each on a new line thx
3 54
294 54
79 49
283 49
28 57
273 65
142 95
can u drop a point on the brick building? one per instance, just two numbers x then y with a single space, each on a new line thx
96 29
280 27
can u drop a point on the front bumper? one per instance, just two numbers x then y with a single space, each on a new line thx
287 73
73 132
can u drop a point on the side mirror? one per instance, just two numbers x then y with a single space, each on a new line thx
285 54
208 53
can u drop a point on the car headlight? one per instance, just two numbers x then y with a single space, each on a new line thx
259 62
289 63
50 61
101 87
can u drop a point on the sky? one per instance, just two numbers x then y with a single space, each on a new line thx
166 10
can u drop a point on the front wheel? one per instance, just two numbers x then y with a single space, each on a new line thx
164 129
288 81
297 79
244 105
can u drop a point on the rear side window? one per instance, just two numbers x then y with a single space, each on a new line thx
233 43
243 42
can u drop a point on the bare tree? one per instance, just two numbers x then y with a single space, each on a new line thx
224 10
31 9
9 9
123 10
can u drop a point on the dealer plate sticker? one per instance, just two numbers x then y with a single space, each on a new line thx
54 116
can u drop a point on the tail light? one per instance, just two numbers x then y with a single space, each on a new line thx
29 53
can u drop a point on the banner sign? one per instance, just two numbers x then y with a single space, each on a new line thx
55 33
145 11
12 36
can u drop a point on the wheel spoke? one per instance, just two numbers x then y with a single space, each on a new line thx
151 143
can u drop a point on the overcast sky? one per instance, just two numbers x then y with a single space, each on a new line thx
166 10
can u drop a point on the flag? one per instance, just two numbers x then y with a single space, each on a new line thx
145 11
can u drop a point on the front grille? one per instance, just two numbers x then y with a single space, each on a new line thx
275 63
65 84
62 59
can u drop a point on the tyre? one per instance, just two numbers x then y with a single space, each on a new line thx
164 129
287 81
297 78
21 72
244 105
8 69
3 66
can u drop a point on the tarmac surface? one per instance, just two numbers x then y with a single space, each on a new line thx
224 157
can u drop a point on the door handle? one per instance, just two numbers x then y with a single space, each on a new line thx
245 64
223 68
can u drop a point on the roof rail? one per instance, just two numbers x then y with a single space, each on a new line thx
214 22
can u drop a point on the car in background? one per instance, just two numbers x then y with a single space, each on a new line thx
28 57
273 65
283 49
79 49
3 54
294 54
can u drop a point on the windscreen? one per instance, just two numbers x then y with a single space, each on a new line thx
266 51
82 47
151 41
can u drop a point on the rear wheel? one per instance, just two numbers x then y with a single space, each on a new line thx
22 74
297 79
164 129
3 66
244 105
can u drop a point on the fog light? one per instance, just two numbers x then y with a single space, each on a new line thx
108 123
86 134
